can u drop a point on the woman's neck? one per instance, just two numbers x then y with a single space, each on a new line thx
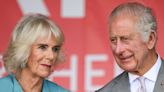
29 82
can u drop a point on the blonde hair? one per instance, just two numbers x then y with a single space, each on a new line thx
28 29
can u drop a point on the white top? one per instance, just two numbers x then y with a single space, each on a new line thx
151 77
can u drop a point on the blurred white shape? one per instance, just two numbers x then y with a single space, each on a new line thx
33 6
90 72
117 69
70 73
73 8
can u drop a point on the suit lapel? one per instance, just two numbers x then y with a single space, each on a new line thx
159 85
123 84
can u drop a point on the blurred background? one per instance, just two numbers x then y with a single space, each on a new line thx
89 62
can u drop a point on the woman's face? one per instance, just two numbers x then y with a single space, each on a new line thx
43 55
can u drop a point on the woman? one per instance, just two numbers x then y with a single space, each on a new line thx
34 50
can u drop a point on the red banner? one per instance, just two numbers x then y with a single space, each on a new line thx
89 63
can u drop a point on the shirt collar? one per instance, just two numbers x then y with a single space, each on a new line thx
153 71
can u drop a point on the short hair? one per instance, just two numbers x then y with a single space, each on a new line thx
146 20
27 30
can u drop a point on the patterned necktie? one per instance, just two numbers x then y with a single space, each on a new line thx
142 87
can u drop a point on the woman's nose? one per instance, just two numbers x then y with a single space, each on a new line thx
50 54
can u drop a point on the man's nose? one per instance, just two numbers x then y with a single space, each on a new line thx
119 47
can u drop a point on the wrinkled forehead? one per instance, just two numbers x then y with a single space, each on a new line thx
124 21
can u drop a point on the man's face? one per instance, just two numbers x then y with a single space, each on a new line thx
128 47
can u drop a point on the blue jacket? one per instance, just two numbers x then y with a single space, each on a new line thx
10 84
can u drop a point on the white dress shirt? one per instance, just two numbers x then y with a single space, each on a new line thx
151 77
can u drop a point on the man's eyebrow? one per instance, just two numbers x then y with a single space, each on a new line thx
57 46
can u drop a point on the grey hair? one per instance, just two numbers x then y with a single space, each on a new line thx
27 30
146 21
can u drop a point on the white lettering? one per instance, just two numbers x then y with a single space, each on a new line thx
89 72
71 73
117 69
73 8
33 6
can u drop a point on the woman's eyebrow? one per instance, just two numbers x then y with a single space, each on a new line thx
42 44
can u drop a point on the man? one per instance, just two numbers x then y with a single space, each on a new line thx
133 37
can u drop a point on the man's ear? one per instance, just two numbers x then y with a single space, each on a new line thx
152 40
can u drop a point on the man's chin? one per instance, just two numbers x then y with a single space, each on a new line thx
129 69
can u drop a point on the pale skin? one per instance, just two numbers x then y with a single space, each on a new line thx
131 52
40 64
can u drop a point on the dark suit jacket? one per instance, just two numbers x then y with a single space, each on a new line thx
121 83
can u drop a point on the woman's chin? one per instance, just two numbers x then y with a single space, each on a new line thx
44 75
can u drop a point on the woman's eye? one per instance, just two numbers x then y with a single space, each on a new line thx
56 49
42 47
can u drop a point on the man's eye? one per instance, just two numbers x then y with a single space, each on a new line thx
124 38
113 40
56 49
